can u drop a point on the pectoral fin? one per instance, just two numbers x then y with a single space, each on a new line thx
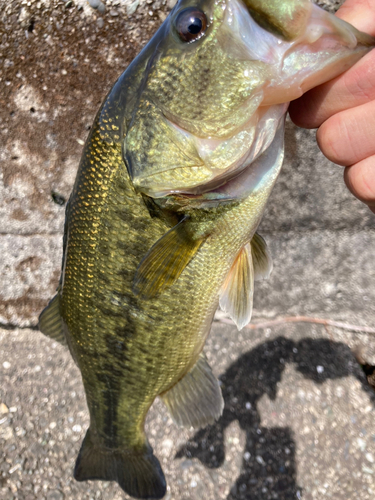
165 261
237 292
196 400
262 260
50 321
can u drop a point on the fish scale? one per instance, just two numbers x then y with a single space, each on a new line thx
102 318
95 317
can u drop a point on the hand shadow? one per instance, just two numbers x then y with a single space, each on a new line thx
268 468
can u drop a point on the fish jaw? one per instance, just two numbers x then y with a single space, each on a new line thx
169 150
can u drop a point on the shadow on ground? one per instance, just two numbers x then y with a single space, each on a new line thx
268 469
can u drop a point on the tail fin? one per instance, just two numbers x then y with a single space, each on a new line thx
139 475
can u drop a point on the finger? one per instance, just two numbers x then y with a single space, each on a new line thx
353 88
349 136
348 90
360 179
359 13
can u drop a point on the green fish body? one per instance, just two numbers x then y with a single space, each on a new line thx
161 224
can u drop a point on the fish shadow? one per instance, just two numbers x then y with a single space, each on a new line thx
269 468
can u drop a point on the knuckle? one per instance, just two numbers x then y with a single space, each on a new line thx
334 140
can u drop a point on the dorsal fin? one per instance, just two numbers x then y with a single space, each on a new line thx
165 261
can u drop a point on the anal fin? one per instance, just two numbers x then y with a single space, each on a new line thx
165 261
50 321
196 400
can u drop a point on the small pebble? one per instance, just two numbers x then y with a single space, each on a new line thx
131 8
367 470
14 468
94 3
54 495
6 365
361 444
100 22
97 5
320 369
3 409
167 443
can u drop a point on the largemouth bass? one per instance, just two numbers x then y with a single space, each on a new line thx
161 224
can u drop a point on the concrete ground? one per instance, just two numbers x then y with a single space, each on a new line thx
299 412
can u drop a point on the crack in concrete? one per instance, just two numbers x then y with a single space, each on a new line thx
28 235
12 327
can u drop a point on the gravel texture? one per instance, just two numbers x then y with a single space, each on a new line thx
298 421
299 415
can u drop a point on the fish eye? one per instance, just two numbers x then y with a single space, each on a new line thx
191 24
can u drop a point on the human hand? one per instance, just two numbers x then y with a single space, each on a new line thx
344 111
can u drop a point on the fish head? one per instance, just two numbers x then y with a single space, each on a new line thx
216 82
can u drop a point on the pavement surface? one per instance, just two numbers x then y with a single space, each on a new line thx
299 410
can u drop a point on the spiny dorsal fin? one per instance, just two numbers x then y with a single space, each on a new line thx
50 321
262 260
236 296
165 261
196 400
